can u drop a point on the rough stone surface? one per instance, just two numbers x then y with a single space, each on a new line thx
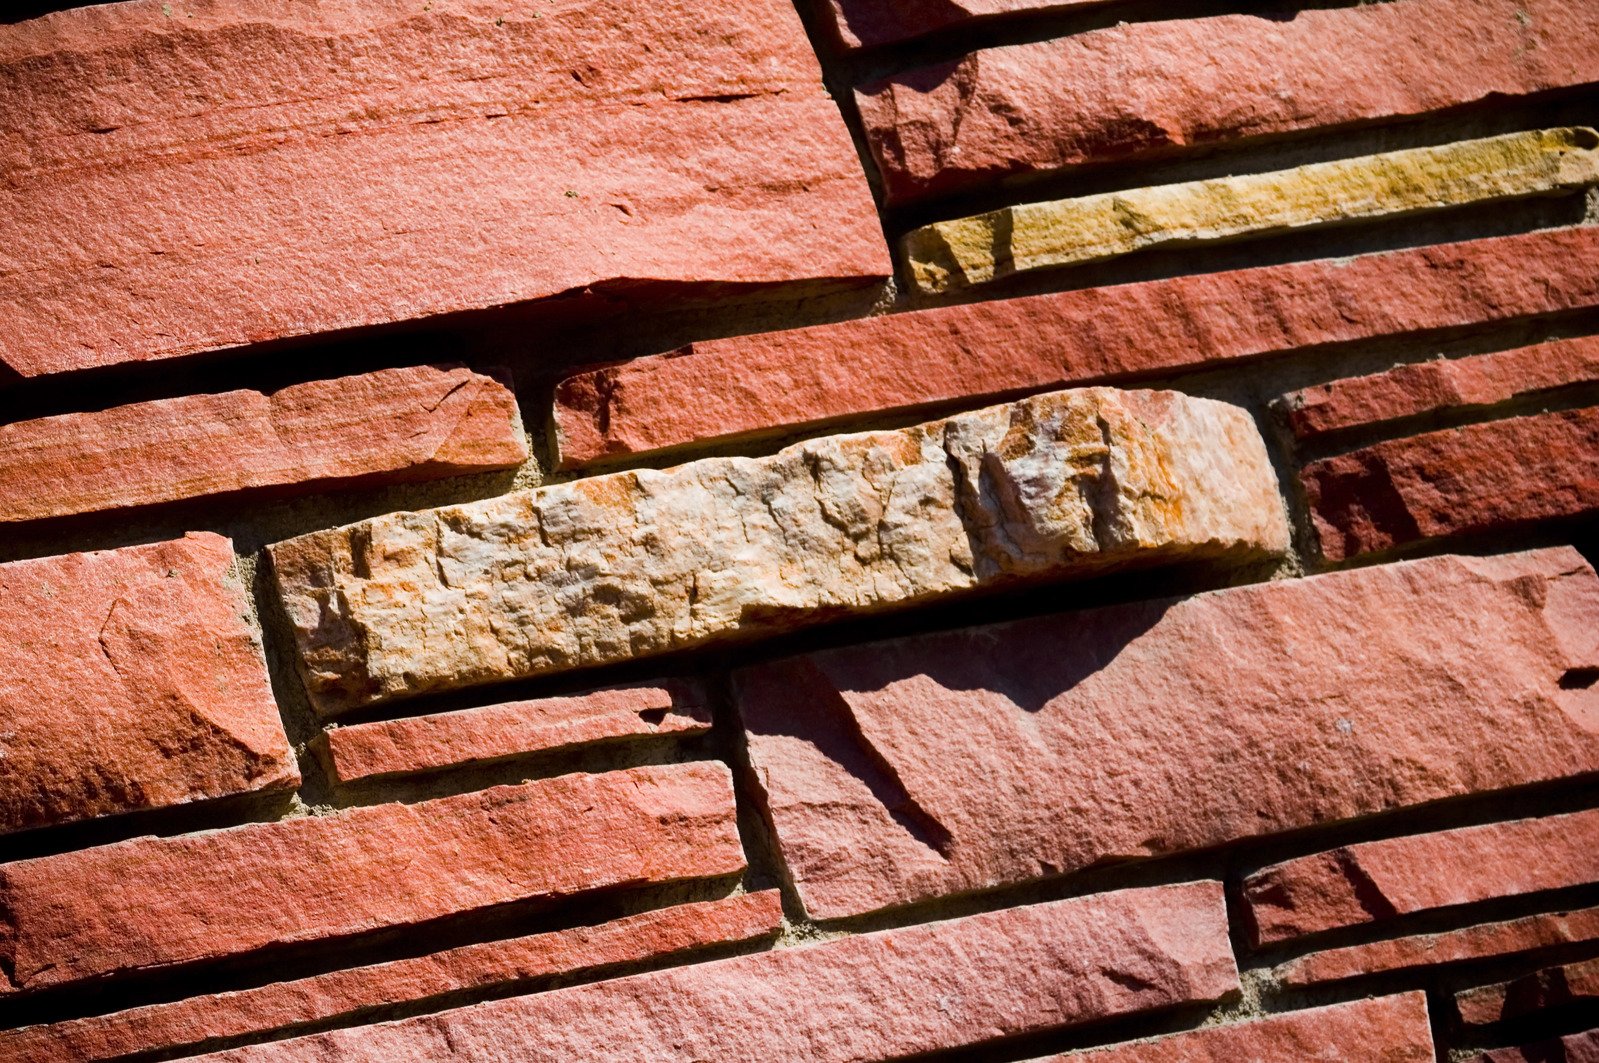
1426 950
129 679
1156 727
156 902
638 563
1379 880
286 1004
1442 384
975 250
1552 987
1145 89
418 743
389 426
875 996
1573 1048
865 23
1477 478
781 382
192 179
1383 1030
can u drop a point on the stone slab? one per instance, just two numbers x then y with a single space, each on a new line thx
131 679
937 764
182 180
1573 1048
1570 985
638 563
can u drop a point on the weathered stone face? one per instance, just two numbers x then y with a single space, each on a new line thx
642 562
975 250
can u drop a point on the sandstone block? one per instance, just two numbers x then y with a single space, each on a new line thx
240 172
766 385
1442 384
1552 987
1526 934
152 903
1399 876
865 23
1382 1030
1157 727
968 251
130 679
1455 481
390 426
1573 1048
643 562
419 743
1148 89
874 996
327 996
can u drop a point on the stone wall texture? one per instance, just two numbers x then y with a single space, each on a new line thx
838 530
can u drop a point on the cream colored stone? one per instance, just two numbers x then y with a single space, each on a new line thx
646 561
967 251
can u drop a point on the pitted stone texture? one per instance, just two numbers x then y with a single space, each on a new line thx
1383 1030
284 1004
954 761
1573 985
1442 384
969 251
152 903
1573 1048
467 736
875 996
1528 934
1149 89
637 563
766 385
130 679
185 178
865 23
1456 481
391 426
1379 880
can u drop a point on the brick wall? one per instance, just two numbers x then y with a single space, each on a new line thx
848 530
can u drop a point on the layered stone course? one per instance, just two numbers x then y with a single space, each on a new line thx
196 177
875 996
284 1005
1381 880
765 385
986 247
639 563
391 426
131 680
545 725
1569 985
1573 1048
1157 727
1145 90
151 903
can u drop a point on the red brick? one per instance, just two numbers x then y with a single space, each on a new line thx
1141 90
280 1005
1157 727
874 996
766 385
1428 387
1456 481
1552 987
1384 1030
391 426
419 743
1379 880
130 679
1573 1048
241 172
157 902
1527 934
867 23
